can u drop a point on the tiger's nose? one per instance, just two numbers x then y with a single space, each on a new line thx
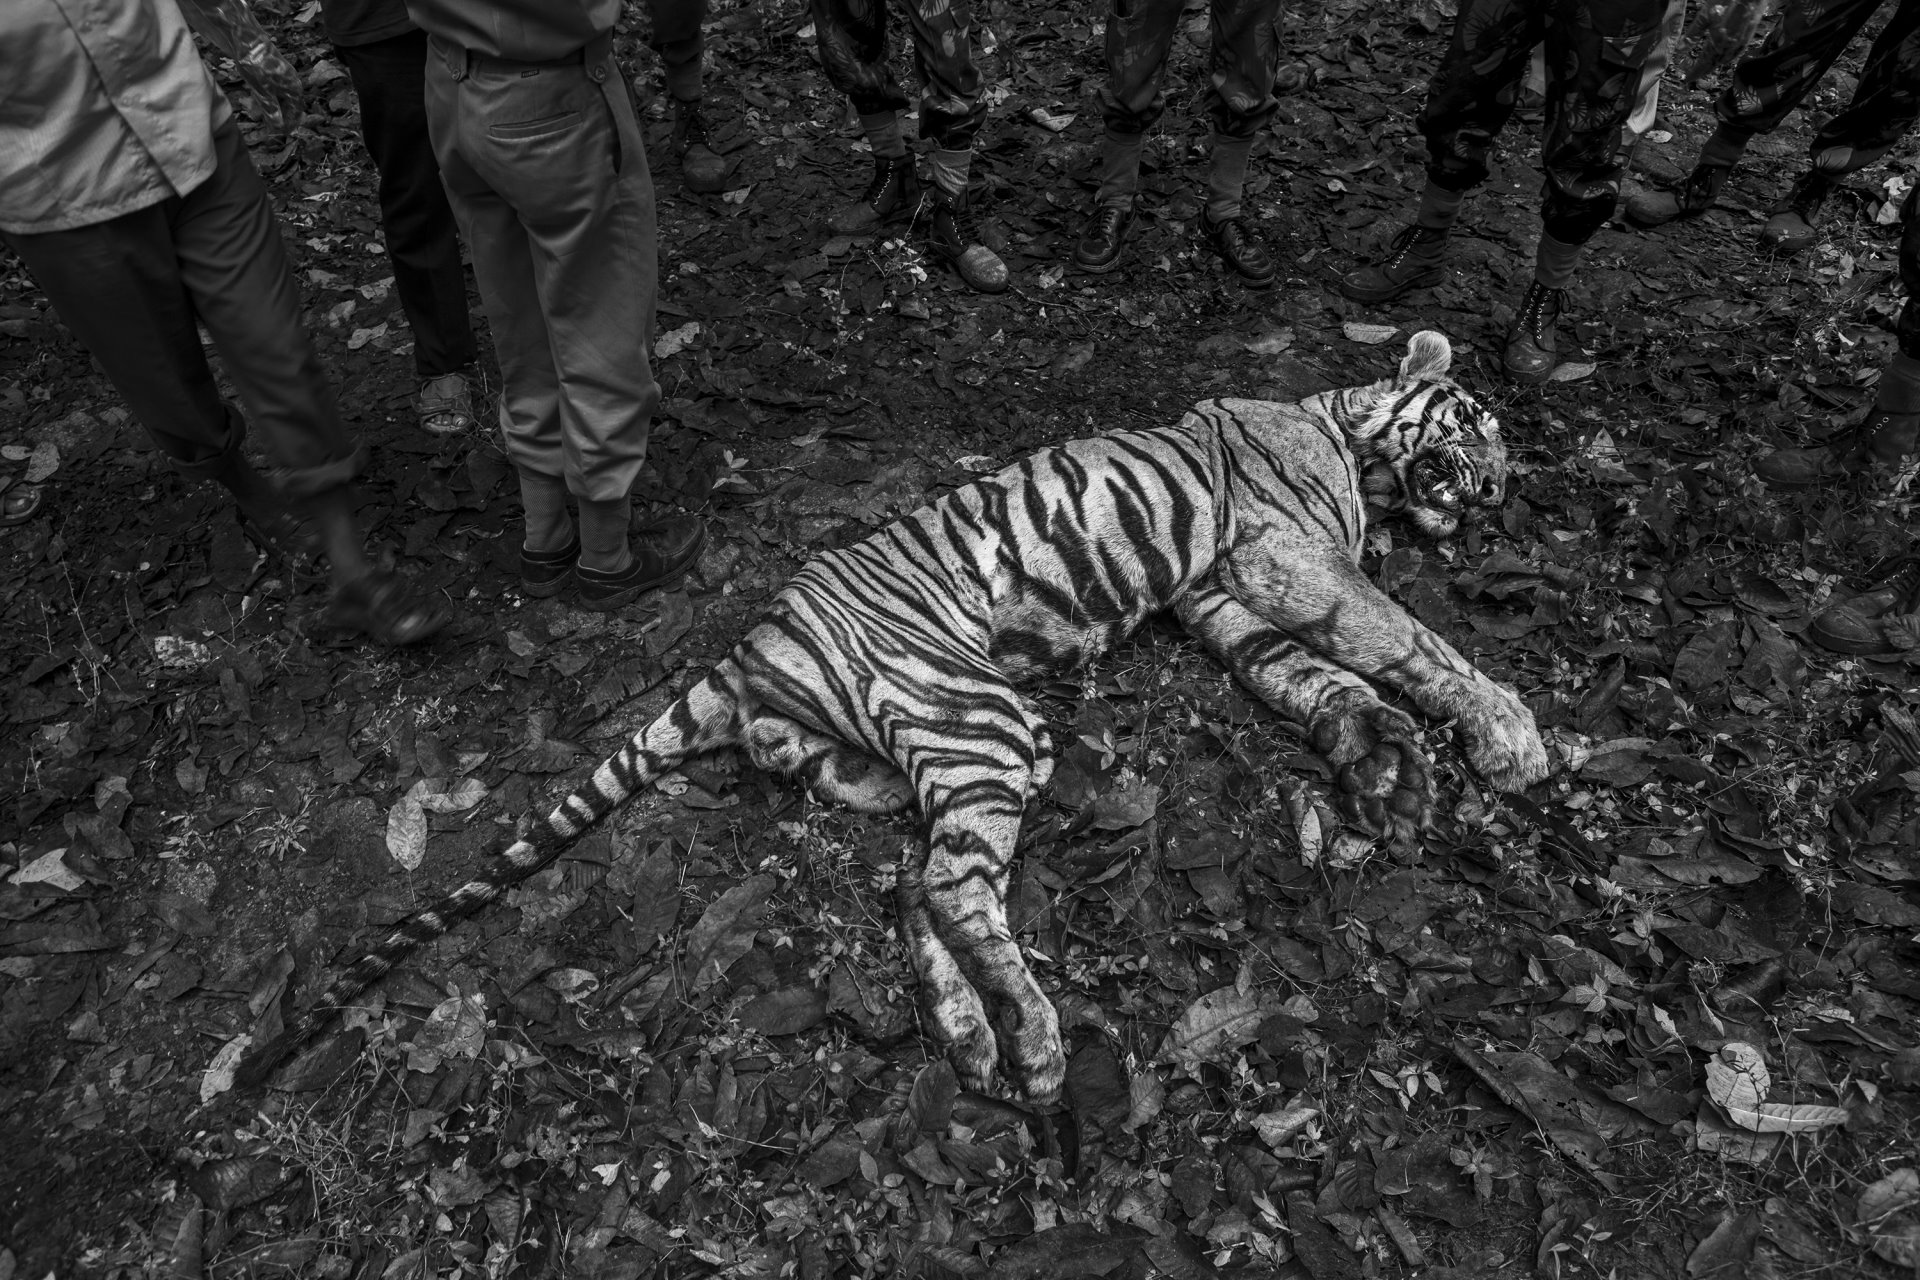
1489 492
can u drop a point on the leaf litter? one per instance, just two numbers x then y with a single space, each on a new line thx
1655 1018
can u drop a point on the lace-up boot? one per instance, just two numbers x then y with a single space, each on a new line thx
1101 240
1791 228
1531 342
950 233
1880 621
893 193
1240 247
1412 261
702 169
1883 439
1655 208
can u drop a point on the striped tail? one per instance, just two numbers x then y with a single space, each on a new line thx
703 719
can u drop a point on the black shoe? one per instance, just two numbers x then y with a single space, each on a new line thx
893 193
544 574
1883 441
1791 228
1652 208
702 168
662 554
1106 231
1532 341
1239 246
950 233
1412 262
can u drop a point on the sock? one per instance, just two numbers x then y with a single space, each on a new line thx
1554 262
681 63
950 170
1723 149
1439 207
884 135
1119 167
544 500
1226 176
1899 389
603 534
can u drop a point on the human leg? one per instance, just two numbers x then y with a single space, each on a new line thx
1138 37
1245 56
852 39
679 39
390 78
1470 98
1883 110
1596 53
951 112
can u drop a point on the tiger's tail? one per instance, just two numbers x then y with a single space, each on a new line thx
704 718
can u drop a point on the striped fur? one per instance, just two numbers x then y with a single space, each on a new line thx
884 674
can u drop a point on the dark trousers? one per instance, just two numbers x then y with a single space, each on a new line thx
1594 50
1797 53
131 289
547 173
391 78
1908 327
853 49
1242 49
678 39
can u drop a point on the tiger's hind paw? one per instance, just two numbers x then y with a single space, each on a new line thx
1389 792
1036 1061
959 1022
1504 744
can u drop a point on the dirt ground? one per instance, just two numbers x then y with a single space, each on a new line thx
690 1049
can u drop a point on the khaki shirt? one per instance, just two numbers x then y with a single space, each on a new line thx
517 30
105 108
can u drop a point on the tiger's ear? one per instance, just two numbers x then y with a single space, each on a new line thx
1429 355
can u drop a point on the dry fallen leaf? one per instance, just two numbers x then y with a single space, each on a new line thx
1371 334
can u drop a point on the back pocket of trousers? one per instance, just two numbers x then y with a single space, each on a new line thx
534 128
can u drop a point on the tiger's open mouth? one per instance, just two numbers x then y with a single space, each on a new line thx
1439 498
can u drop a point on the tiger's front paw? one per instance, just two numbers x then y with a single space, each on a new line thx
1504 743
1386 783
959 1021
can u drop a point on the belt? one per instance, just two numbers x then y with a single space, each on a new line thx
595 56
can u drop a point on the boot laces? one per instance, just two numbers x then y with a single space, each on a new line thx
693 129
1106 224
1402 245
1540 306
886 171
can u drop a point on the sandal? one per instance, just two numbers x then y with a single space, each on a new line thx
19 503
382 606
446 405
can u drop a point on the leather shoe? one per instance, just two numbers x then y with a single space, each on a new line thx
1881 620
1106 232
663 552
1532 342
1884 438
1654 208
1412 261
893 193
1239 246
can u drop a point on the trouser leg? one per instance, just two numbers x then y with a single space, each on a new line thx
1771 82
1884 106
1139 37
390 78
1646 106
679 38
852 38
117 287
561 152
1908 328
234 268
1471 94
1245 53
1596 50
951 111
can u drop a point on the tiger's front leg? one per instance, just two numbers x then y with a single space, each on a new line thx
1386 785
1325 601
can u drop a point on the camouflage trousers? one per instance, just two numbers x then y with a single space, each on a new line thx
1243 53
853 49
1789 63
678 39
1595 50
1908 326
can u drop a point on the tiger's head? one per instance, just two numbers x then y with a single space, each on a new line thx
1425 446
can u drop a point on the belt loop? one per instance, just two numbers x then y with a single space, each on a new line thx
596 54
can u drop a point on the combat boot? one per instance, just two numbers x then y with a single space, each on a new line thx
1791 228
893 193
702 169
1532 341
1883 439
1655 208
950 234
1412 261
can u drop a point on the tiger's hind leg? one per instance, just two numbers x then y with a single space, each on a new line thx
1385 781
973 771
834 771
